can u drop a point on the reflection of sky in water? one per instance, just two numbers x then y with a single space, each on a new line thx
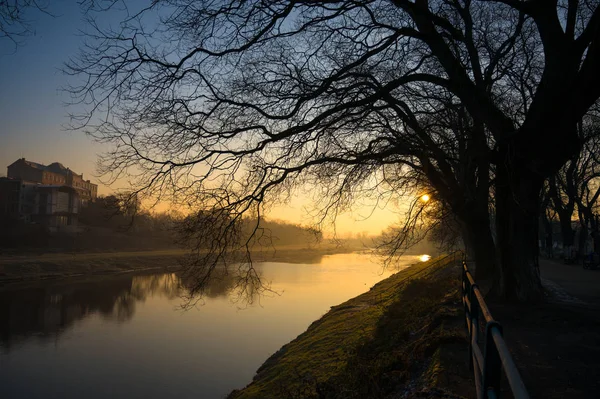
125 337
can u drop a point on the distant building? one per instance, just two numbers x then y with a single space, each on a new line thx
53 174
50 195
50 205
10 198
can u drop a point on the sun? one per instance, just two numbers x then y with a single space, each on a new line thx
425 197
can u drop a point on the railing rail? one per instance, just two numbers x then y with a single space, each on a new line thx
487 365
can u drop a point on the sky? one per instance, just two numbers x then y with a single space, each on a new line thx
31 102
34 114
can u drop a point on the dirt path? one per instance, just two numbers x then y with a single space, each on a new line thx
574 279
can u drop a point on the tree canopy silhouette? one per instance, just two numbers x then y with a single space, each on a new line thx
15 22
228 105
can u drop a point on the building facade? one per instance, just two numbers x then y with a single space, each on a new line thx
53 174
50 195
10 198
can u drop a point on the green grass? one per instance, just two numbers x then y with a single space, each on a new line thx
372 345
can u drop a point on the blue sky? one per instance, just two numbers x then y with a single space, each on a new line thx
33 114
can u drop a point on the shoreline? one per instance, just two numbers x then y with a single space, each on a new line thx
15 269
26 270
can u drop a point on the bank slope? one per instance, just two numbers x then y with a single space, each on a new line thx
400 339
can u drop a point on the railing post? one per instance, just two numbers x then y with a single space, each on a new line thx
474 318
466 294
463 287
492 366
496 355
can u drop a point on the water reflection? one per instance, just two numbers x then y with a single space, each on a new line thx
73 337
307 256
48 310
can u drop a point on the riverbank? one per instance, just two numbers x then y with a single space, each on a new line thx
402 339
18 268
62 265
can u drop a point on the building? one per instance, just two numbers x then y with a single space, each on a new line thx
50 205
10 198
53 174
49 195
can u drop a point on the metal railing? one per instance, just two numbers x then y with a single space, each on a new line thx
487 365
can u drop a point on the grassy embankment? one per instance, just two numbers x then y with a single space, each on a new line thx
402 339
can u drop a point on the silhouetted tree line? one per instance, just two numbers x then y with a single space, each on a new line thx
113 222
125 213
570 200
120 222
194 230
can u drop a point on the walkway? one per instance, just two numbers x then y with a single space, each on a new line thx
574 279
556 344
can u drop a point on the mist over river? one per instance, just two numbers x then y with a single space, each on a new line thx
126 336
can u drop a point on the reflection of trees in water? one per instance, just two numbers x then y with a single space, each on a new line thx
244 284
48 310
167 285
269 254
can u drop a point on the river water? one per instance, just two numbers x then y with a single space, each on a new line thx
127 337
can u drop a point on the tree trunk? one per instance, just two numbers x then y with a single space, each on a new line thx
582 240
546 228
589 217
567 232
479 245
517 212
595 225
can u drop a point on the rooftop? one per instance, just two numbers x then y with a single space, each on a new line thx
55 167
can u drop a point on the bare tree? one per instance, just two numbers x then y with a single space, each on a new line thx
15 22
563 192
588 192
455 168
230 105
572 190
547 216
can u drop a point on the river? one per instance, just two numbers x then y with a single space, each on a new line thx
127 336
